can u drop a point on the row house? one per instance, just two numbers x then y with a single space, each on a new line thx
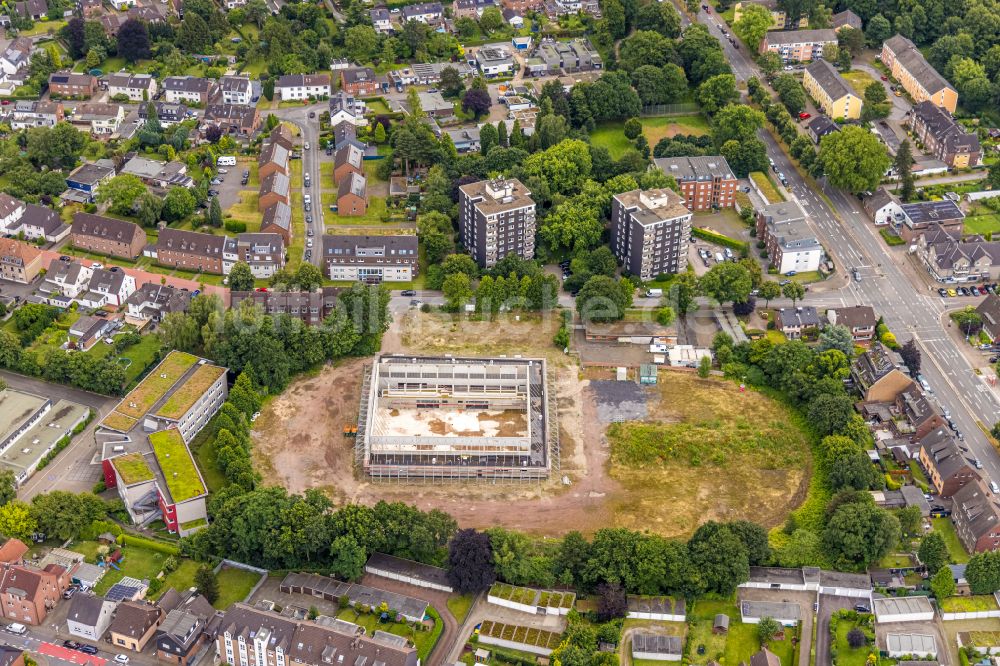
975 511
72 84
235 119
19 261
65 281
552 57
880 374
371 259
190 250
946 466
107 236
798 45
424 12
302 86
918 78
108 287
101 120
944 138
11 210
236 90
312 307
471 8
189 89
277 219
263 252
706 183
920 415
27 595
274 158
36 113
273 189
137 87
948 259
348 159
352 195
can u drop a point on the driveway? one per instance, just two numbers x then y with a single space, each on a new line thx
900 106
828 605
805 600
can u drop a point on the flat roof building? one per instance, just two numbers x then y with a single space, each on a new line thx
497 218
650 232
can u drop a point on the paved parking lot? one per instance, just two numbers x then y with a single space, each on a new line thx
231 189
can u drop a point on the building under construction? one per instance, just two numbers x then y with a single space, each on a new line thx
441 419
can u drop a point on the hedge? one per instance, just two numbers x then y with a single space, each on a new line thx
719 239
139 542
235 226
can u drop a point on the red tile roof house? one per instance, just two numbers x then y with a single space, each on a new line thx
27 595
13 551
860 320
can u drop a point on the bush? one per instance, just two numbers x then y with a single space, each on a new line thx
856 638
235 226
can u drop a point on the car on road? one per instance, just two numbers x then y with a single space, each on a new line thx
804 116
223 171
309 242
408 292
310 233
17 628
978 463
857 274
942 292
213 193
962 291
885 78
309 219
994 487
121 658
70 591
216 181
72 645
708 10
312 114
952 293
307 145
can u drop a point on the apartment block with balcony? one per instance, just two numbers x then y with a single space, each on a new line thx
650 232
706 182
497 218
831 91
798 45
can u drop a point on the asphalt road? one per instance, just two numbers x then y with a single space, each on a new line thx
851 239
311 164
828 605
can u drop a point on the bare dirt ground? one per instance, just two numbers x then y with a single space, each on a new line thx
299 444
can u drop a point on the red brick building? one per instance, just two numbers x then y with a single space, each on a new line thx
107 236
190 250
706 182
27 595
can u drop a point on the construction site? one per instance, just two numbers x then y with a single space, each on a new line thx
438 419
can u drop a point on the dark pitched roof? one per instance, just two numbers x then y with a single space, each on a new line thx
829 79
191 242
192 84
348 154
798 317
358 74
913 61
975 508
133 619
85 609
302 80
858 316
846 17
279 215
9 654
989 310
764 658
944 128
353 183
940 446
98 226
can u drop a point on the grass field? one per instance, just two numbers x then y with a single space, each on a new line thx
973 604
234 585
611 136
987 223
944 527
700 430
859 80
731 648
373 214
206 456
846 655
138 563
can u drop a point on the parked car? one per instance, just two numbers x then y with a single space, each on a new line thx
408 292
862 608
805 116
942 293
17 628
952 293
121 658
72 645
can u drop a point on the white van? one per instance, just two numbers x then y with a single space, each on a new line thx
719 258
654 293
21 630
226 160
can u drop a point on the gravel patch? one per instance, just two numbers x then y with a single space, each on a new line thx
619 401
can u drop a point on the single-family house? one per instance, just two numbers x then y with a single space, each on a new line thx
860 320
352 195
189 89
795 321
302 86
72 84
137 87
19 261
135 623
359 82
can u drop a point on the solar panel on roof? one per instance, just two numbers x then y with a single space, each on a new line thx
121 593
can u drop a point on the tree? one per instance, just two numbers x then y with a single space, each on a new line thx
718 558
133 40
470 561
768 627
911 356
793 291
769 63
611 603
632 129
790 92
860 533
349 557
603 299
851 40
837 337
755 540
122 191
983 573
943 584
207 583
850 467
716 92
491 20
853 159
769 290
476 102
17 521
645 47
457 291
178 204
194 34
878 29
736 122
904 164
488 137
969 321
63 514
76 37
660 17
856 638
215 213
727 283
451 82
241 277
829 413
8 486
308 277
933 552
55 147
745 156
361 42
755 21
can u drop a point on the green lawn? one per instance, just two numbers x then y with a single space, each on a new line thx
846 655
658 127
896 561
376 107
975 603
205 455
141 355
138 563
373 214
944 527
423 640
234 586
734 647
988 223
459 605
610 135
859 80
182 578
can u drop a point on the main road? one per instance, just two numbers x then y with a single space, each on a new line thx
909 312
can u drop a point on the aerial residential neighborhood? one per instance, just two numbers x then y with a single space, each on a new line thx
499 332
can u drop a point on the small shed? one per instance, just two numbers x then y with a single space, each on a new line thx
107 538
647 373
482 656
721 624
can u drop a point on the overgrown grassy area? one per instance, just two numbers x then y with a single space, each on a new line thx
733 647
956 550
206 456
985 223
611 136
767 187
459 606
975 603
708 450
234 586
859 80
